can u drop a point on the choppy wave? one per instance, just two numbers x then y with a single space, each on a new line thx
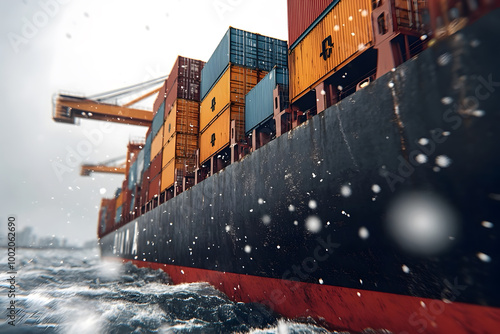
60 291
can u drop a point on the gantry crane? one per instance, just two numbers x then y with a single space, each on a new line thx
110 166
67 107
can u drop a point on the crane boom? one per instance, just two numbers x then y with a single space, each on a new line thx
67 108
87 169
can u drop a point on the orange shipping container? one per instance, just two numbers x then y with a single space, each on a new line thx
217 136
182 118
181 146
168 173
231 88
157 144
341 35
119 199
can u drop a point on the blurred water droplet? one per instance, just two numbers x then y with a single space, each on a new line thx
313 224
443 161
376 188
422 222
483 257
444 59
345 191
363 233
421 158
405 269
487 224
447 100
423 141
266 219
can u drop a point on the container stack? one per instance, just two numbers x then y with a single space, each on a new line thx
106 216
239 62
323 38
259 102
173 138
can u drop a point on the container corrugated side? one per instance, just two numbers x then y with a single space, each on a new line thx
157 143
168 173
132 175
259 102
154 187
241 48
271 52
147 151
158 120
118 214
183 117
231 88
184 81
181 145
155 167
140 166
216 136
160 97
343 33
301 14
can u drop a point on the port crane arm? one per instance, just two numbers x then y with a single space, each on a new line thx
66 107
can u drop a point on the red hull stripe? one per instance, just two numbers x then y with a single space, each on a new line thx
343 308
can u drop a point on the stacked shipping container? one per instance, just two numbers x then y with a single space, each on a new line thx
225 102
168 158
259 102
239 62
335 37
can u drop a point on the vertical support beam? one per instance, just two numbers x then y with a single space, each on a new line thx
254 140
277 112
233 144
384 31
211 168
320 98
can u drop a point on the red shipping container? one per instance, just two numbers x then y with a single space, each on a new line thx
183 81
301 14
154 187
155 167
110 215
144 188
160 98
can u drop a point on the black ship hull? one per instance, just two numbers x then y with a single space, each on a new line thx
310 224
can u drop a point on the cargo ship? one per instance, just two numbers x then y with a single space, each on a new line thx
350 177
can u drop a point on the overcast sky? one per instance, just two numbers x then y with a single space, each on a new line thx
87 47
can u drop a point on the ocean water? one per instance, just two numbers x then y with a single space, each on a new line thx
74 291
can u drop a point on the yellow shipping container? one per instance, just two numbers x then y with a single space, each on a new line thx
119 199
168 173
183 117
231 88
216 136
339 37
169 150
157 143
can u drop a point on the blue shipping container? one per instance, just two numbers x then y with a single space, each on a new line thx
140 165
259 101
132 175
147 151
158 119
118 215
246 49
